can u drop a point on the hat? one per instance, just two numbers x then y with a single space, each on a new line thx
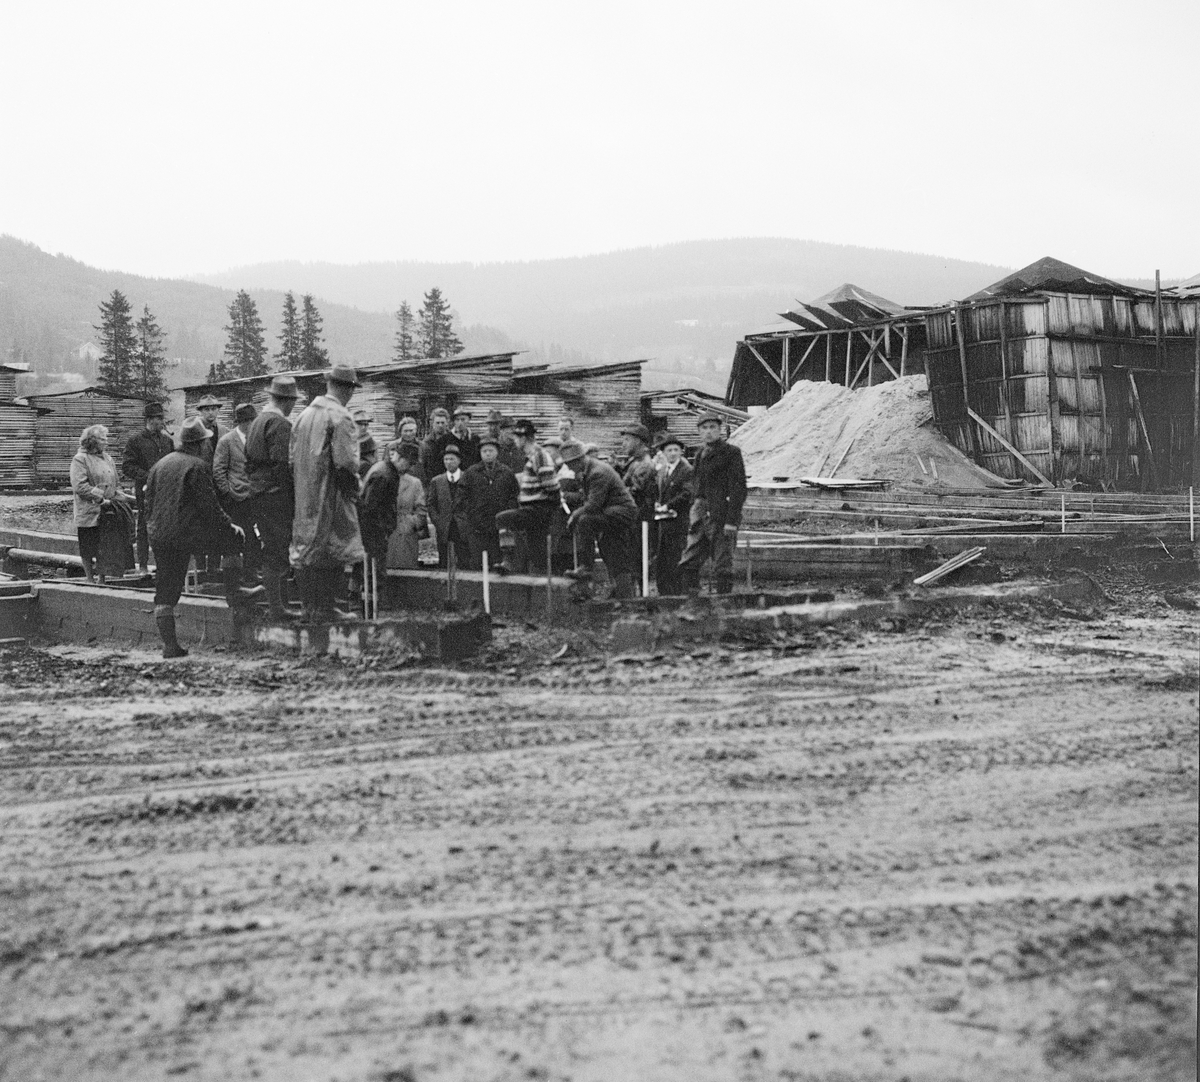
462 411
406 451
244 411
283 387
494 417
489 441
505 422
208 400
707 418
452 449
193 431
344 374
361 414
153 409
571 451
525 428
669 439
640 431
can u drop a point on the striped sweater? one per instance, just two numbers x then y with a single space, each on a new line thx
538 480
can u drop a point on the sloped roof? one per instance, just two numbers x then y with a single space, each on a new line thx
1052 275
1189 287
847 306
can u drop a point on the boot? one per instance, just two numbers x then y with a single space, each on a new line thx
273 587
325 583
307 589
623 586
164 617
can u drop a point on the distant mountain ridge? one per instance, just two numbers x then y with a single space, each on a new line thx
682 305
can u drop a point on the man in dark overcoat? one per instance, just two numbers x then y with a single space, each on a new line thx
141 452
716 512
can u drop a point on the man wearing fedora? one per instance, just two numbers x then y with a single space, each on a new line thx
606 516
271 502
325 534
142 451
448 510
208 409
716 512
233 484
185 519
672 501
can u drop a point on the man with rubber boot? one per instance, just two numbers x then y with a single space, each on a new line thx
185 518
716 512
325 533
606 516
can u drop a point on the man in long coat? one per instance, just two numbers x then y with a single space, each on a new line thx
716 512
673 500
141 452
324 456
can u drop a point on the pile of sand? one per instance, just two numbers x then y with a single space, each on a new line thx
884 431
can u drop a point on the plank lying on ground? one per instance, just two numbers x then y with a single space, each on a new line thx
951 565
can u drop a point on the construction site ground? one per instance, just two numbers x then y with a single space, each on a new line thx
956 848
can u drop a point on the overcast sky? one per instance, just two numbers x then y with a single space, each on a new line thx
169 139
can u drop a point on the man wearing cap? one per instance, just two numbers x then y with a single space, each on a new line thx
324 457
716 513
271 504
185 518
433 446
537 498
233 484
491 488
447 506
607 515
367 456
141 452
672 502
641 478
468 445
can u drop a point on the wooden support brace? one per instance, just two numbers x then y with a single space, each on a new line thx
1009 447
769 370
1141 417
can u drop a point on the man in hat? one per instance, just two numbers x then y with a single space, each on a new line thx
716 511
366 442
641 479
447 506
325 535
537 498
491 488
185 518
271 503
672 502
142 450
468 445
606 516
511 454
233 484
433 446
208 409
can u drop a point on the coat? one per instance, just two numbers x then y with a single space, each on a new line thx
324 457
268 451
641 480
604 491
377 508
490 490
229 467
182 508
93 480
404 546
447 506
676 490
142 450
720 481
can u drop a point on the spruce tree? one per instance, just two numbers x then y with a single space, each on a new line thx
436 327
289 336
118 342
312 353
406 343
245 349
149 359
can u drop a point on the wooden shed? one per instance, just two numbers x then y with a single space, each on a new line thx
601 399
1055 374
849 336
64 416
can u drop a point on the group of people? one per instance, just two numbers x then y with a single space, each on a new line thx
276 499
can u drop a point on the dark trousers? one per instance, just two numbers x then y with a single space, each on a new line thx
242 515
171 568
485 541
533 520
707 540
272 514
143 535
672 537
461 540
613 532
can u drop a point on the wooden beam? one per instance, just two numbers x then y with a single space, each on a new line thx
1009 447
876 342
962 364
1137 405
806 353
784 366
849 346
769 369
1004 385
829 357
903 348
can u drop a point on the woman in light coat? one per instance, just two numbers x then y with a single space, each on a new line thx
412 522
95 486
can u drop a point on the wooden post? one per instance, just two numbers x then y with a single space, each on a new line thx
849 345
903 348
871 360
829 356
962 365
1158 320
451 585
646 553
1195 400
786 367
366 587
549 575
749 567
1004 388
487 591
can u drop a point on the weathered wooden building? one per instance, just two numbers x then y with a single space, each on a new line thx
1054 374
675 413
62 419
18 427
848 336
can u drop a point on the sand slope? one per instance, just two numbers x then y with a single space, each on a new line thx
885 431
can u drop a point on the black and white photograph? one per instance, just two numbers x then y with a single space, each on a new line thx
631 542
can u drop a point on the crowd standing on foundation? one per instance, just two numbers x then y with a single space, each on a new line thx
310 510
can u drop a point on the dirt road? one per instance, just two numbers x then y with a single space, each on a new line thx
963 852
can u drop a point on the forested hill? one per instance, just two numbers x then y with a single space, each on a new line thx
683 305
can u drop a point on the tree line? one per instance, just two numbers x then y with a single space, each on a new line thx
133 357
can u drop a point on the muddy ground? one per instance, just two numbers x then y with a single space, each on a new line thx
953 849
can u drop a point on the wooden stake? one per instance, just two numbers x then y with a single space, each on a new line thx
487 592
549 575
375 589
829 357
1063 505
450 570
645 559
749 566
366 587
1191 513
